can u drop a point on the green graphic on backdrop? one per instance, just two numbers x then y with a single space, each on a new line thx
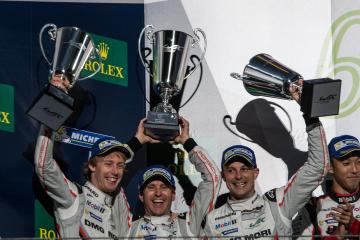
342 64
7 119
114 65
44 223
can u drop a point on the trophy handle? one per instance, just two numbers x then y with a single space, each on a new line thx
196 40
149 36
98 69
52 33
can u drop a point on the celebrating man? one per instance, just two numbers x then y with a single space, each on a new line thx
251 215
338 211
98 209
157 191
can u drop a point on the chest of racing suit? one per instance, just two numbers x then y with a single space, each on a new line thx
92 218
247 219
315 218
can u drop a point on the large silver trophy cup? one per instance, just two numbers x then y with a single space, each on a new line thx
73 47
265 76
170 50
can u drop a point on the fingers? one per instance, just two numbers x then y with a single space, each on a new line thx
343 213
60 82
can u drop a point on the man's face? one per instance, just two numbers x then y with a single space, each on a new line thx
240 179
108 171
157 198
346 174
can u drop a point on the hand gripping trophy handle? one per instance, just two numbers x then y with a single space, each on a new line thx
149 29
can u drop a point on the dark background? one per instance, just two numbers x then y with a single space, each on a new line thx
101 107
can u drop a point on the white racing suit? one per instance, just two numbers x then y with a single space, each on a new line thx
80 211
314 219
271 214
187 224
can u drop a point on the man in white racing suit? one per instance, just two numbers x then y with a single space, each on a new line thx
98 209
157 191
337 212
249 215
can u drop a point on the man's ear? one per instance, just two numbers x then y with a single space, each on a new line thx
141 197
92 167
256 172
173 194
331 168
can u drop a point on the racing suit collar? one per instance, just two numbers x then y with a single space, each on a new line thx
157 219
337 197
99 195
238 205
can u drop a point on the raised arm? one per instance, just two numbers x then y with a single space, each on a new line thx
292 197
208 189
56 185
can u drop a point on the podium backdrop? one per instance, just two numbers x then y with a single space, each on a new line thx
315 38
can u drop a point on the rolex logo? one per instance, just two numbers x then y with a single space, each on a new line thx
104 50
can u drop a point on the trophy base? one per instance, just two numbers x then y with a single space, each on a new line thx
320 97
52 107
162 126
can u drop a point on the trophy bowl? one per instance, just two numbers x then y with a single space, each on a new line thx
265 76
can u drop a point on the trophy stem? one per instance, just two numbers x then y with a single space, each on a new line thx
165 96
164 105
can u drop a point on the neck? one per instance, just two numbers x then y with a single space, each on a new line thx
336 188
242 199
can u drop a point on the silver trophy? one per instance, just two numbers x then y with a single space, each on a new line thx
170 54
73 47
265 76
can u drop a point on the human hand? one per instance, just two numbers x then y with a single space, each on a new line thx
184 132
61 82
140 134
343 213
295 90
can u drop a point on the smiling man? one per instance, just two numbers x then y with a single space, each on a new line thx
337 212
98 209
157 191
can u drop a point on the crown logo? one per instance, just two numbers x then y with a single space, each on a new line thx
103 50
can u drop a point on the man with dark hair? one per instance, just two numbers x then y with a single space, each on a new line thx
338 211
249 215
98 209
157 191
